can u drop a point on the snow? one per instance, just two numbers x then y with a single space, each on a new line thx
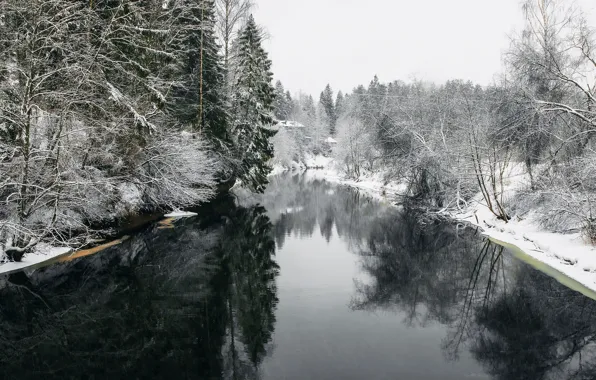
293 210
372 184
569 255
566 257
277 170
290 124
180 214
317 161
42 254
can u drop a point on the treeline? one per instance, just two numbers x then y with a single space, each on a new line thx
111 107
449 142
318 118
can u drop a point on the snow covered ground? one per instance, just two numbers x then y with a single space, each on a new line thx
371 184
45 253
566 257
180 214
42 254
568 254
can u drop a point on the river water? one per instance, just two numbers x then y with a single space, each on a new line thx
308 281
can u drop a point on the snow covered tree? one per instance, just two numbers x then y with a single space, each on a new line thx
289 102
198 96
287 149
339 104
328 104
230 16
85 134
283 102
253 108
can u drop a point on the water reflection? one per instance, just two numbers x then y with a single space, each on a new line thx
538 329
197 301
205 300
517 322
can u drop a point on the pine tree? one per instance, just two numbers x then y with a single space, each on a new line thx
132 49
329 107
253 108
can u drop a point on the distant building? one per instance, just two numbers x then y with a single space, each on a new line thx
289 124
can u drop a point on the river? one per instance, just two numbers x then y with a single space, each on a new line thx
308 281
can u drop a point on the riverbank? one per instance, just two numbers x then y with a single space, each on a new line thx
45 254
567 253
321 167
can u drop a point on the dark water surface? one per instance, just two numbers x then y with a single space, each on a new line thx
314 282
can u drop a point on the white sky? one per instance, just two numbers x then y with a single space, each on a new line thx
346 42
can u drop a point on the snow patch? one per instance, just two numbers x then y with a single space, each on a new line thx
43 252
372 184
181 214
317 161
568 255
293 210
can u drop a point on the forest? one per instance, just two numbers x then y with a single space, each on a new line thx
110 108
117 117
113 108
448 142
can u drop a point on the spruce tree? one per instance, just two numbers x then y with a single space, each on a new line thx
309 109
289 103
329 107
280 104
339 104
253 108
198 96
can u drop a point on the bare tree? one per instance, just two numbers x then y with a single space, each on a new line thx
84 134
231 14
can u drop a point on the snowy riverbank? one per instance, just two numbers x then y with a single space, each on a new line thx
322 167
45 254
566 254
42 255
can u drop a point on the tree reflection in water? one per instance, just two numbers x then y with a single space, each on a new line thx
516 321
197 301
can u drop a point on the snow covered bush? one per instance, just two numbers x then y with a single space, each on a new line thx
89 131
176 169
286 148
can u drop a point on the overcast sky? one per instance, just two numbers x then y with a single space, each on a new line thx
347 42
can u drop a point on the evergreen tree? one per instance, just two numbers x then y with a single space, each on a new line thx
198 96
339 104
309 109
329 107
131 50
282 107
253 108
289 103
